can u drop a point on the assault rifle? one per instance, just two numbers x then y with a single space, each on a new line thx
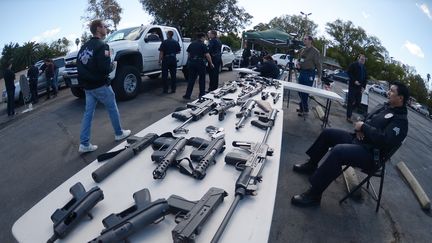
222 107
205 154
166 147
256 90
196 110
120 157
244 113
230 87
265 119
251 166
67 217
190 216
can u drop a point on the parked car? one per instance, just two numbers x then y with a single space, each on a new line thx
421 109
340 76
41 85
238 56
227 58
378 89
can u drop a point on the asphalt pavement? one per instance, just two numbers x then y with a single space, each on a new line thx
39 151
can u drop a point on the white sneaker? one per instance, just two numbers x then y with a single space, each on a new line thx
86 149
125 134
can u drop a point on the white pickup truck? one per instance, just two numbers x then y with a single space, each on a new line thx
136 52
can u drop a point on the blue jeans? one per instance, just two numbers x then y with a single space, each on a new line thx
306 78
106 96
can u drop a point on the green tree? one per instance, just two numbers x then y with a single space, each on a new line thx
192 16
107 10
232 40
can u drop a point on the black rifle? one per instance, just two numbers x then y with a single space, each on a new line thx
230 87
205 154
245 112
145 212
190 216
67 217
265 120
251 166
166 147
222 107
136 145
196 110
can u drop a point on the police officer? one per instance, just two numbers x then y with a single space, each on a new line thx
33 74
268 68
215 46
197 54
9 78
383 129
309 60
167 56
94 65
356 85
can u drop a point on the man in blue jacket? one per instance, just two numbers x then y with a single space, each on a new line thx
384 129
94 65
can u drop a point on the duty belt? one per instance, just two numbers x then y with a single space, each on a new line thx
197 58
170 55
307 70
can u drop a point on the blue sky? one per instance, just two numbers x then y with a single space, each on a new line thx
403 26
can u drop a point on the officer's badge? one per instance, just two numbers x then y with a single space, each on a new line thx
397 130
85 56
388 115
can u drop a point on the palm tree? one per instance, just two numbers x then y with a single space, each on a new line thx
28 53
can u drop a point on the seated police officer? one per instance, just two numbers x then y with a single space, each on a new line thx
268 68
383 129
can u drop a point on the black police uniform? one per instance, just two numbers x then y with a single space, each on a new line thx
384 129
9 78
196 66
268 69
215 46
169 48
356 72
94 64
33 74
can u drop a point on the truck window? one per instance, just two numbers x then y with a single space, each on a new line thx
154 35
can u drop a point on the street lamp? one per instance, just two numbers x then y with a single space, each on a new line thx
305 23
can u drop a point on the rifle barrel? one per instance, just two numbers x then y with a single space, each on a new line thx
226 219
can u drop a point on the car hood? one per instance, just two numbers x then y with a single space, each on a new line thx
123 45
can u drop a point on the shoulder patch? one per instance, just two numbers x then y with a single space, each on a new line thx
396 130
388 115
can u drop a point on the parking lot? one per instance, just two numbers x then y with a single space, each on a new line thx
39 151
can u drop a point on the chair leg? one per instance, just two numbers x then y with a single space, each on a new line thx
380 190
355 189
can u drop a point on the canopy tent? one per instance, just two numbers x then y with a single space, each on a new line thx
274 37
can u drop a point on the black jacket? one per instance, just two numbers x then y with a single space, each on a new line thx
94 64
385 128
356 73
9 78
33 72
268 69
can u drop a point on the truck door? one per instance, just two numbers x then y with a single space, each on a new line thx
149 49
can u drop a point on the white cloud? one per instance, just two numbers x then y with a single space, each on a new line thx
425 9
414 49
365 15
46 35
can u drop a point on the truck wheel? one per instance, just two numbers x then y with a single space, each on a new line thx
78 92
154 76
127 83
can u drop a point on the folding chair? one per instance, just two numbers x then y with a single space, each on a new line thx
377 172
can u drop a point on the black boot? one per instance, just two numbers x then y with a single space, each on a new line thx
305 168
306 199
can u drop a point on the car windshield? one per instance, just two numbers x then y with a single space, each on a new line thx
125 34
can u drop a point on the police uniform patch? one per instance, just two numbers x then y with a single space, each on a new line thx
388 115
397 130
